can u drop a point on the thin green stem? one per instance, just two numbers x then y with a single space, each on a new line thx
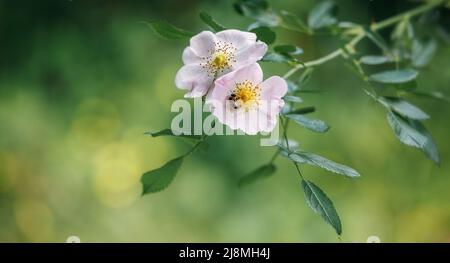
377 26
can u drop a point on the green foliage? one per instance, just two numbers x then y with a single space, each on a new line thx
422 53
322 15
158 179
213 24
374 60
288 49
168 31
304 110
265 34
395 76
260 173
310 124
321 162
258 10
413 133
293 99
404 108
319 202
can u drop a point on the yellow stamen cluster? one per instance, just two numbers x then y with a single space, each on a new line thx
245 95
220 58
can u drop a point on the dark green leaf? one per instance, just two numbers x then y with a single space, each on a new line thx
304 110
310 124
168 132
321 162
394 76
319 202
293 99
413 133
404 108
374 60
168 31
288 49
276 57
158 179
262 172
422 53
322 15
265 34
207 19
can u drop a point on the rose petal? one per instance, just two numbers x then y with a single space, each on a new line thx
250 54
194 79
190 57
203 43
239 39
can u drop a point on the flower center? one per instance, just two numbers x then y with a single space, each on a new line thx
245 95
219 59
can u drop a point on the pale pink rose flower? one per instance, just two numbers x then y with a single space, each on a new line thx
242 100
210 56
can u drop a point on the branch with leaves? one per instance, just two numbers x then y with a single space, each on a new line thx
406 52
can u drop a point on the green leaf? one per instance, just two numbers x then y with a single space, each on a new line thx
310 124
422 53
394 76
260 173
304 110
322 15
259 10
292 86
207 19
276 57
168 31
305 77
158 179
404 108
293 145
413 133
292 22
432 95
374 60
168 132
293 99
376 39
318 201
321 162
288 49
265 34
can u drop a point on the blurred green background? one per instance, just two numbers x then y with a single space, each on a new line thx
80 81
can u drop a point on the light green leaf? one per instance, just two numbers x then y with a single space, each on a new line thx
293 145
311 124
422 53
207 19
168 132
265 34
321 162
292 22
158 179
318 201
394 76
432 95
413 133
405 132
374 60
292 86
404 108
260 173
168 31
322 15
293 99
288 49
